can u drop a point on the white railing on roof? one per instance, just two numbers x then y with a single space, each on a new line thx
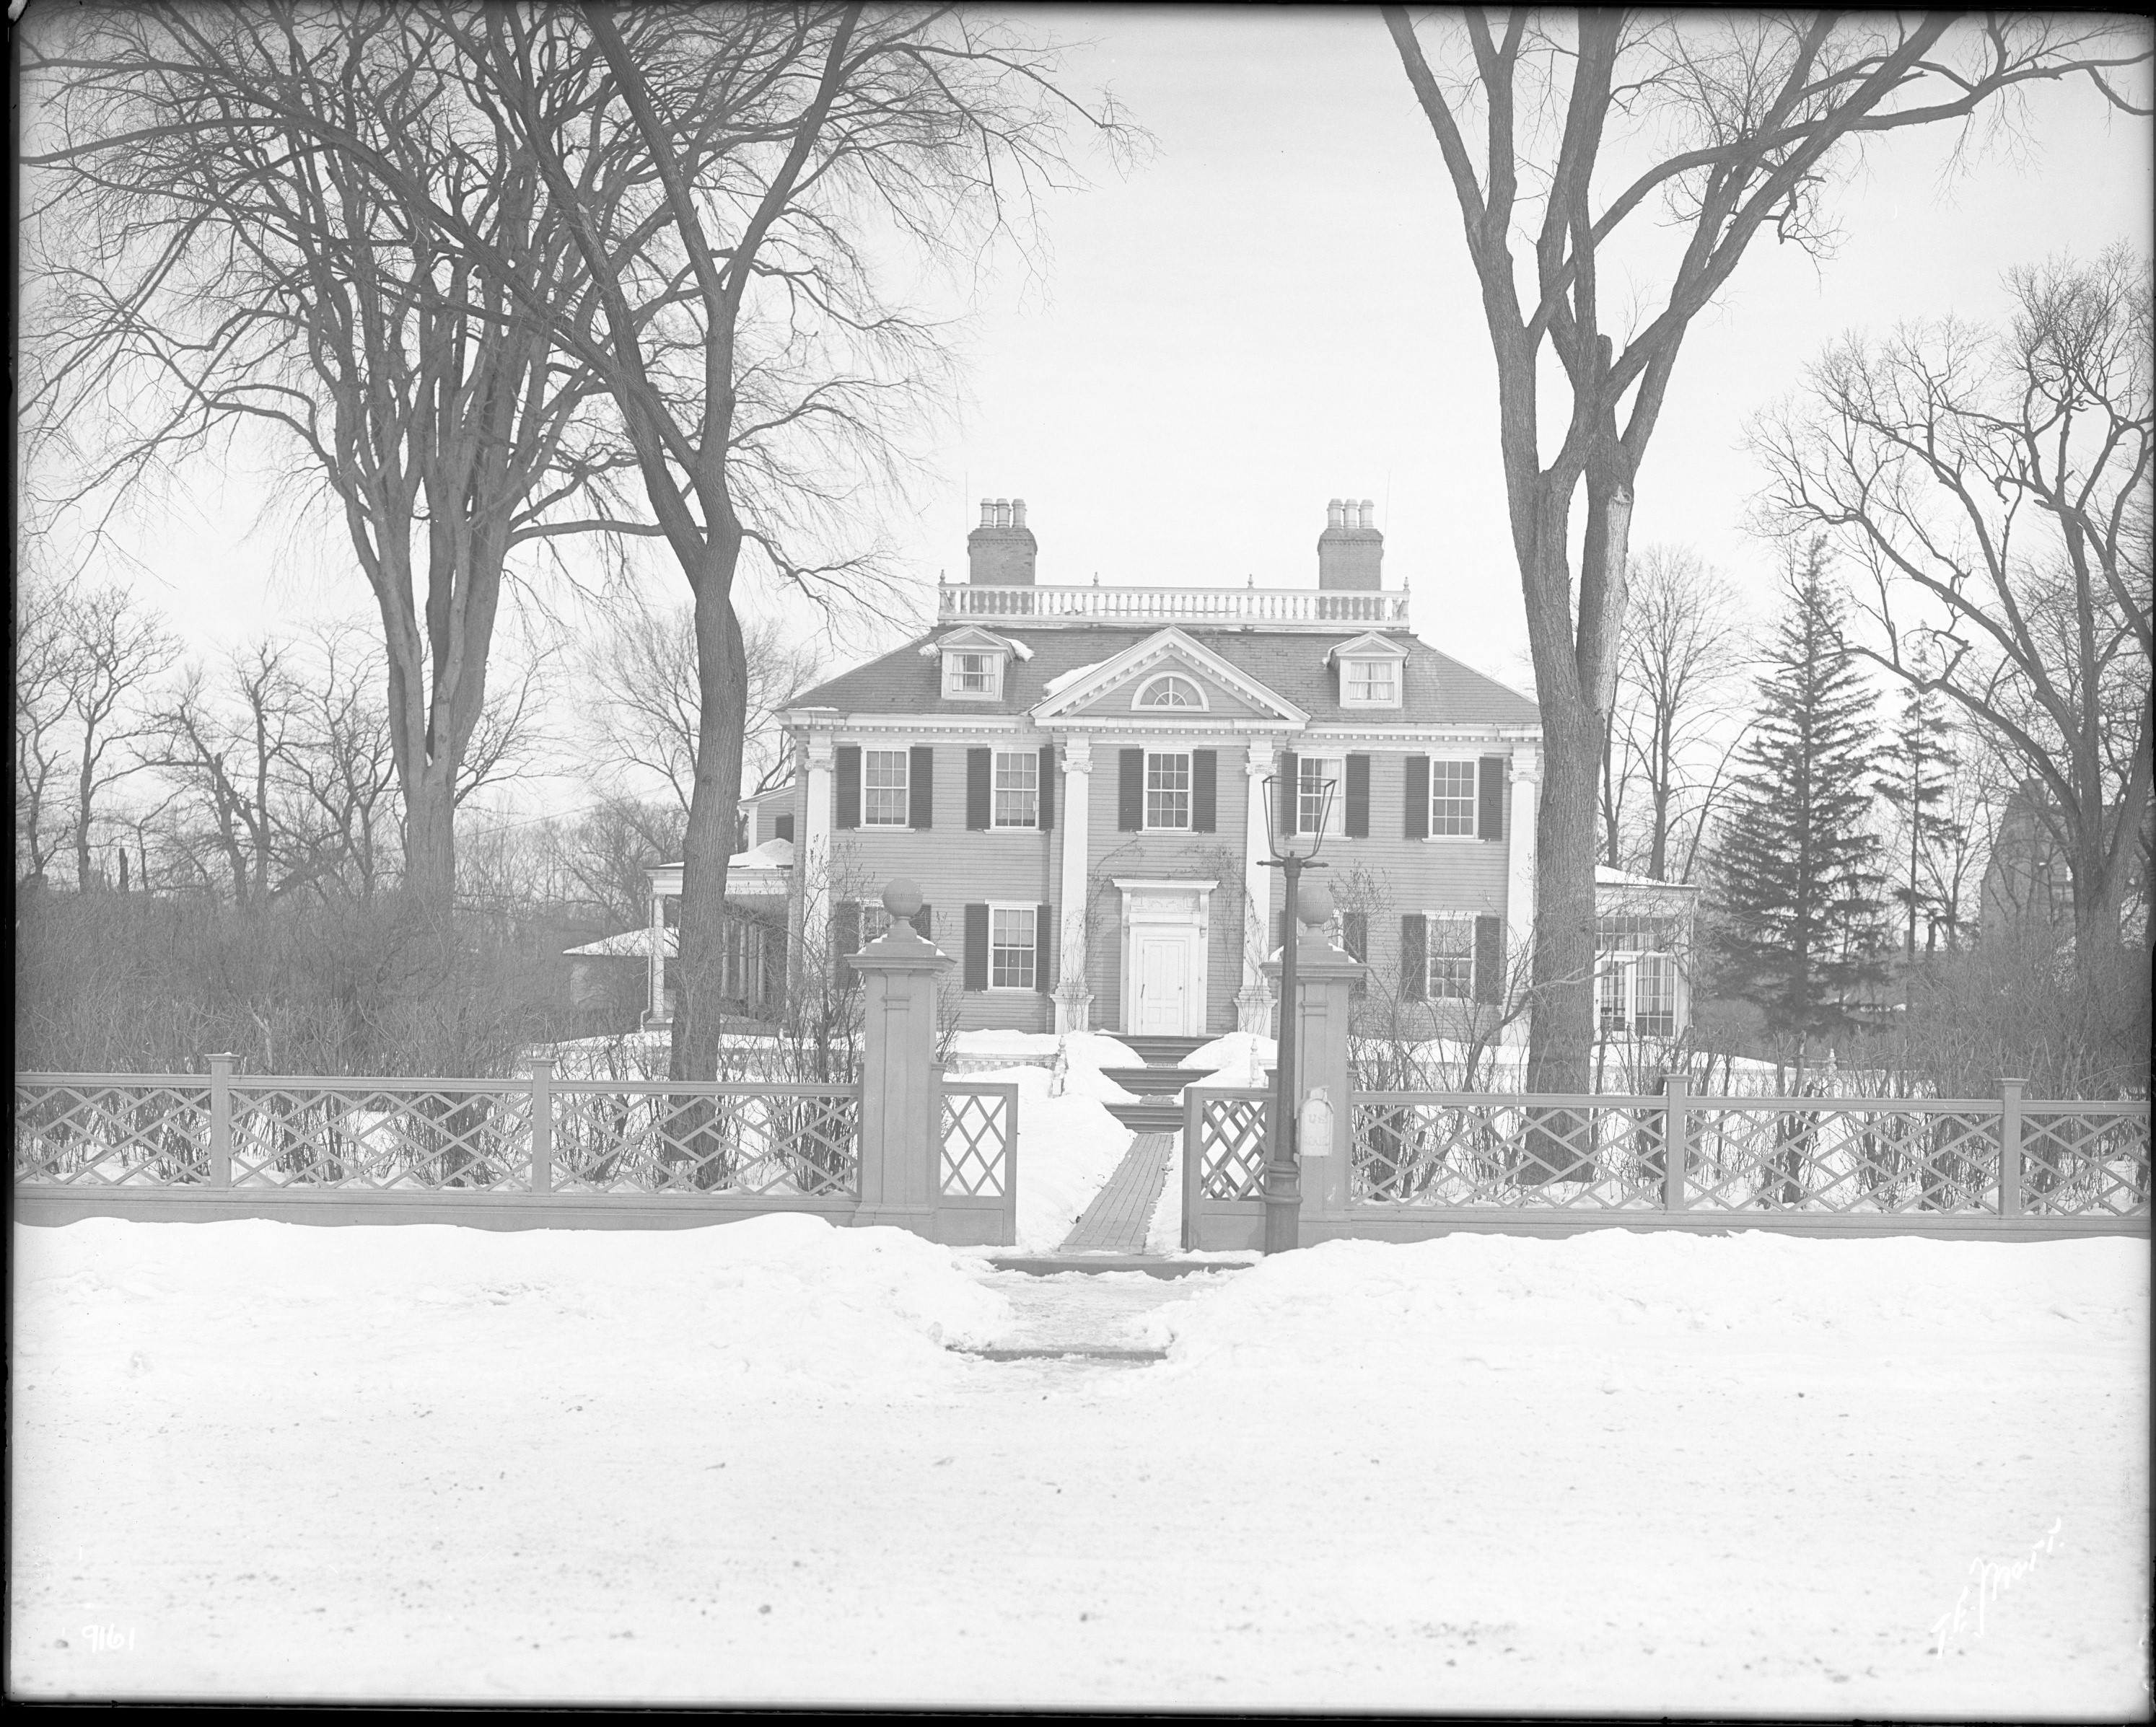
1307 607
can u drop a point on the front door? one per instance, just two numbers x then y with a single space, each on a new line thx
1164 978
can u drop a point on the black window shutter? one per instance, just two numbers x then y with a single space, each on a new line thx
1489 959
924 922
1047 787
1414 971
1358 798
976 961
1355 937
1204 789
1490 799
1417 797
782 828
845 937
1130 790
850 784
980 765
1287 793
1044 948
920 788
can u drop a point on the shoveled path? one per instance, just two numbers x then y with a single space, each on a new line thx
1117 1220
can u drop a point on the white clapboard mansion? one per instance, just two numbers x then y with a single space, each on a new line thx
1075 775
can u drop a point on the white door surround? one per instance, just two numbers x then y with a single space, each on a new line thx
1166 935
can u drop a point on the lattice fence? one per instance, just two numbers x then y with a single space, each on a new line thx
147 1133
1852 1156
504 1136
1231 1127
980 1136
328 1133
770 1140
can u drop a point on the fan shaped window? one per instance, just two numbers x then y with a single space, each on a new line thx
1171 691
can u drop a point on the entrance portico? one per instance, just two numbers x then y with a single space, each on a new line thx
1166 937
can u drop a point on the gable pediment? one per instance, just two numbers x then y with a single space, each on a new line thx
1168 678
1371 646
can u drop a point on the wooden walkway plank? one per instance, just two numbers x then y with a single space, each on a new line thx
1117 1220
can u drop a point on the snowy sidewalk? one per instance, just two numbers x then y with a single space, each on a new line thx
1117 1220
1629 1473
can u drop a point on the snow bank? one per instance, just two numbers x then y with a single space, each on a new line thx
1400 1300
1068 1146
784 1296
1240 1058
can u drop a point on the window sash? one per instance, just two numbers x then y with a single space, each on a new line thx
1017 781
1311 772
970 674
1168 790
1171 691
884 788
1372 681
1452 799
1010 947
1449 957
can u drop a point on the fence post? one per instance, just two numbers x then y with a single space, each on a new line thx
543 1124
1677 1139
2010 1147
901 1135
220 1119
1317 1019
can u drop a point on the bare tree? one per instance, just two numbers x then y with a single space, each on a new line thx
639 669
719 173
1722 126
1994 484
1681 651
110 651
40 721
214 243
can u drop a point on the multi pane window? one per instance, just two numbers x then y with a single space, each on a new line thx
883 788
1016 789
1010 947
1451 952
1312 775
1171 692
1637 988
971 673
1373 682
1452 797
1168 790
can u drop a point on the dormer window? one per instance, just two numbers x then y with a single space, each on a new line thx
975 674
1372 670
1170 691
1370 684
975 662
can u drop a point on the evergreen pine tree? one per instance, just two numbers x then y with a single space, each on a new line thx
1798 884
1916 775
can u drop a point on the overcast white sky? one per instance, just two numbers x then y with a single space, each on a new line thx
1277 309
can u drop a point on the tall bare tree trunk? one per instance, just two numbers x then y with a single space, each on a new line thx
708 844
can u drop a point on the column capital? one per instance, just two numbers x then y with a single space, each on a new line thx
1526 761
821 750
1077 754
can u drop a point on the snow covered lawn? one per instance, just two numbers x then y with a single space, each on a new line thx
1642 1472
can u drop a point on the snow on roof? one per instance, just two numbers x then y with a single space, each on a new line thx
1608 877
1063 680
628 945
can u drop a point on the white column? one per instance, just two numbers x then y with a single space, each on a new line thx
1519 848
1074 811
658 955
812 862
1253 1002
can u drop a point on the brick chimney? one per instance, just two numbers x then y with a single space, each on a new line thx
999 552
1350 549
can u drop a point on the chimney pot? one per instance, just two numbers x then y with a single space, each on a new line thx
987 512
1333 513
1018 512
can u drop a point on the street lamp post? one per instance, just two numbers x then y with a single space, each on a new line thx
1294 844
